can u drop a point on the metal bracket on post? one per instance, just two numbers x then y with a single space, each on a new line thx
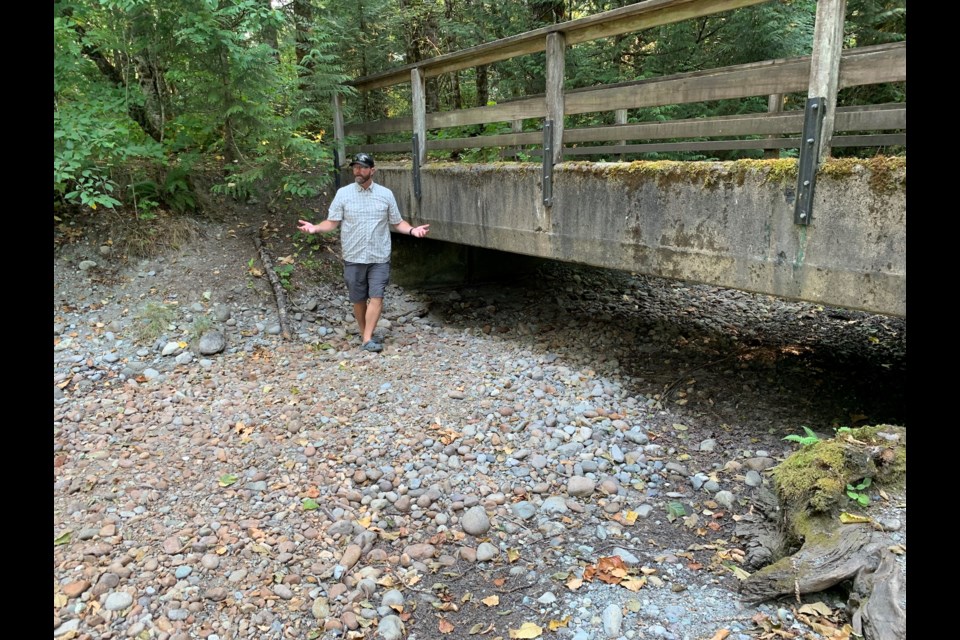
809 159
336 168
548 162
416 167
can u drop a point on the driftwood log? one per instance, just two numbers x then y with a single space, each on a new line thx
278 291
810 486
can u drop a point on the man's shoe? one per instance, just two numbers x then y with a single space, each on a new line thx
370 345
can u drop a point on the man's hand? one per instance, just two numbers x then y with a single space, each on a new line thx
306 227
421 231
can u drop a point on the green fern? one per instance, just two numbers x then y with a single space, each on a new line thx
807 440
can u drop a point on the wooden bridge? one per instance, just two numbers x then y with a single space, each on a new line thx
804 226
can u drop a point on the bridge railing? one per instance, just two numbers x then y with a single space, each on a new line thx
822 74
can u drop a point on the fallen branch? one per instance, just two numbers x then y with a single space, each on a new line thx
278 291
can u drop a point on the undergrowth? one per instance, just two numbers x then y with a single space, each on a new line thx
154 320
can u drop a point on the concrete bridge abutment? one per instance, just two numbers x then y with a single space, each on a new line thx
729 224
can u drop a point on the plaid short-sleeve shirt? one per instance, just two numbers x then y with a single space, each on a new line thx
365 217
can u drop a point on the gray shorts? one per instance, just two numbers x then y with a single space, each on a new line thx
366 281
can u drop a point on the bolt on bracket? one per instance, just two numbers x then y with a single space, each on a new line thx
416 166
809 159
548 162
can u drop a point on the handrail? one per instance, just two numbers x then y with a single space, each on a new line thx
864 65
634 17
827 70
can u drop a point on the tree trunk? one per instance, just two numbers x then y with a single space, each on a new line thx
150 82
136 112
483 86
270 36
303 27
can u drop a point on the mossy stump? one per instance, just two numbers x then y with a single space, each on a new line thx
812 488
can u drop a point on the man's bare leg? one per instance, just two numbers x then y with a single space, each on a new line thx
367 315
360 315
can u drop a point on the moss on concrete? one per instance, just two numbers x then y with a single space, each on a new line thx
709 175
886 173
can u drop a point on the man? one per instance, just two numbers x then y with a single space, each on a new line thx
367 211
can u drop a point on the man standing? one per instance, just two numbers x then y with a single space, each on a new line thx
367 211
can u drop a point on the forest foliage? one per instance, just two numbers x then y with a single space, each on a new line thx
149 92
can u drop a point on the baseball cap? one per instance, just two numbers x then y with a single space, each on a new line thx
364 159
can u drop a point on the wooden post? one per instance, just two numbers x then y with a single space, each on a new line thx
774 105
418 104
825 63
338 137
556 45
620 117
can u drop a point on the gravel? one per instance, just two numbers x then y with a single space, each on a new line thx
480 474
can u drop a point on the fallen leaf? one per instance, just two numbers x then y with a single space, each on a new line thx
852 518
574 583
829 631
721 634
63 538
676 510
634 584
499 581
386 535
446 626
553 625
630 517
611 563
227 479
737 571
513 555
816 608
475 629
527 630
309 504
491 601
